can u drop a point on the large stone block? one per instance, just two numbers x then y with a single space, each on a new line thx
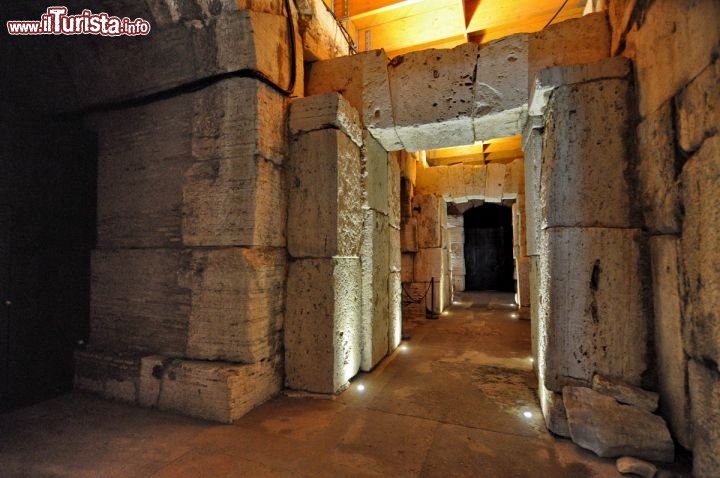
532 147
700 252
494 182
514 182
433 180
553 410
322 37
408 267
237 304
501 94
375 175
215 391
698 113
584 179
456 190
394 181
475 181
139 301
704 385
430 264
395 263
326 111
375 265
657 184
113 376
428 212
457 258
592 317
363 80
689 45
671 358
432 97
409 235
522 265
322 323
395 304
458 282
325 195
581 40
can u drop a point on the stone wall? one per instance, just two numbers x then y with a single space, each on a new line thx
677 170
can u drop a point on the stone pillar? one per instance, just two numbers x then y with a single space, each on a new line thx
456 230
325 229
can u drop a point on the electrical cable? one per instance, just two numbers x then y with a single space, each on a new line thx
556 14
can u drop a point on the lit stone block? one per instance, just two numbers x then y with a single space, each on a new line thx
458 282
409 235
433 180
326 111
375 262
532 147
395 304
697 117
591 310
325 195
394 201
395 250
513 185
584 180
217 391
375 175
494 182
322 324
522 265
430 264
237 304
432 97
428 212
475 182
501 93
457 258
456 190
408 267
363 80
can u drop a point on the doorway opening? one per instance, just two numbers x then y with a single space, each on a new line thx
489 261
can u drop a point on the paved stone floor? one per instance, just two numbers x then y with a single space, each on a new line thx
457 399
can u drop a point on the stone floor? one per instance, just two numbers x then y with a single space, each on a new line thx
457 399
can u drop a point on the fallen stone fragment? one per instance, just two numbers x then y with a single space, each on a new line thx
610 429
628 465
625 393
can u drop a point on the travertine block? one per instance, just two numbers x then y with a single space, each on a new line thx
320 32
429 264
553 409
139 302
326 111
433 180
237 304
395 303
409 235
394 181
591 305
110 375
514 180
698 113
671 360
584 180
408 267
658 187
456 190
375 265
215 391
700 252
395 249
704 385
532 147
581 40
475 182
428 212
494 182
322 323
522 265
501 94
432 97
663 72
363 80
325 195
457 258
375 175
409 165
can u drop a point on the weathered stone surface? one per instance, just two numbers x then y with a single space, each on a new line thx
432 97
325 196
513 184
657 182
408 267
632 466
456 190
428 212
233 41
110 375
704 385
584 180
620 14
663 72
523 281
395 299
700 252
698 113
323 112
237 304
363 80
625 393
216 391
139 301
455 221
532 147
433 180
581 40
590 291
394 201
671 360
457 258
322 323
415 300
429 264
375 265
598 423
409 165
458 282
409 235
395 251
321 35
553 410
494 183
375 175
457 234
501 93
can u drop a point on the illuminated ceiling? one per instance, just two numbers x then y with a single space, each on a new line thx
407 25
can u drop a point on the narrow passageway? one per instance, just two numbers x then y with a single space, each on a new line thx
456 399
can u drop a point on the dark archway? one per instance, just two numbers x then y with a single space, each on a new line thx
488 248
